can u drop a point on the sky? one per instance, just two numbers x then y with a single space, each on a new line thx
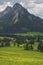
33 6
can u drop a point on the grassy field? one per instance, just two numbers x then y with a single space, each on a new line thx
30 34
19 56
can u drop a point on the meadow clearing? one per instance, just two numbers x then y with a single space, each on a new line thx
19 56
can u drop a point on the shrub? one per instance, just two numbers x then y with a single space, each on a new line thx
40 46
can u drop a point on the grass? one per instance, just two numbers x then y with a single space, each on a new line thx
18 56
2 37
30 34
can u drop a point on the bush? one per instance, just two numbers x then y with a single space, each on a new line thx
26 46
40 46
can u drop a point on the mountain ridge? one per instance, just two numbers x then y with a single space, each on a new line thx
18 19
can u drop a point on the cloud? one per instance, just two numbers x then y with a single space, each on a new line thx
5 4
22 3
33 6
38 1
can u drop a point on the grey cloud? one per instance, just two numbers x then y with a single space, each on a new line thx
13 1
33 6
39 1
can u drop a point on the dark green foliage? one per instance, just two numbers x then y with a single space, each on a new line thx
2 44
31 43
18 42
28 43
6 42
26 46
40 46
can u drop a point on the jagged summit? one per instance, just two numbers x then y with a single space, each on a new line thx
8 7
18 8
17 5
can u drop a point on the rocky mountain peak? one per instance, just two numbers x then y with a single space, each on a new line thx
17 5
18 19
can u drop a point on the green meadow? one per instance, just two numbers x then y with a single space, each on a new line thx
19 56
29 34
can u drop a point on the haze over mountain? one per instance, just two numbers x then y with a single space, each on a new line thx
17 19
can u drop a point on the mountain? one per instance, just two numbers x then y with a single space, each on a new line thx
17 19
5 11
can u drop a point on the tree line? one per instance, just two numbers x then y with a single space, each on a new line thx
27 43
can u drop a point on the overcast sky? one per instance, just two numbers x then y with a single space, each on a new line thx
33 6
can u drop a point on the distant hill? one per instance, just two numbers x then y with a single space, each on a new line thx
17 19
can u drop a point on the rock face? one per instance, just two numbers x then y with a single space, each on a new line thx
17 19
